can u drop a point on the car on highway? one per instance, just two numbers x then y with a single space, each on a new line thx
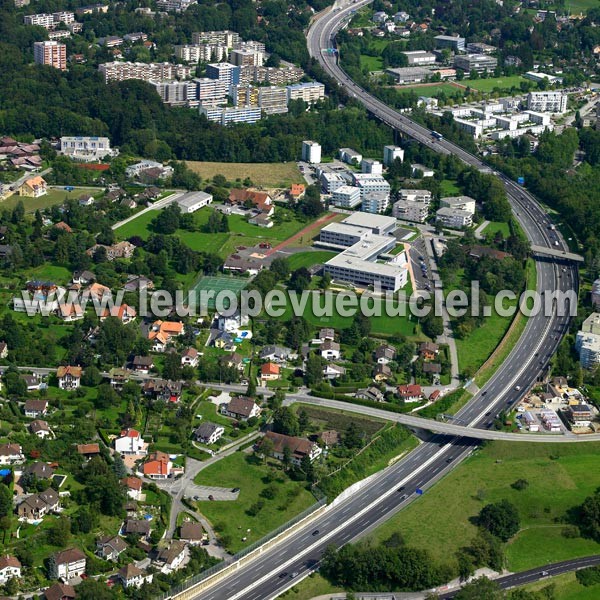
315 532
283 575
294 575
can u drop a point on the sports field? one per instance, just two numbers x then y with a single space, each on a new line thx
219 284
269 175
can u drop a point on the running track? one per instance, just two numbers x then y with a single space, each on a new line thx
320 222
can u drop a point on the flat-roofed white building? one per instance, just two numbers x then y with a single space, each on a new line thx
85 148
361 249
311 152
454 218
412 205
391 153
465 203
193 201
310 91
346 196
331 182
370 182
553 102
419 58
369 165
375 202
352 157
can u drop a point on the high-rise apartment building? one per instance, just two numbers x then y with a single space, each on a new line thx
52 53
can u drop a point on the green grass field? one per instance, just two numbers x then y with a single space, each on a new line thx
488 85
560 477
449 188
565 587
494 226
218 284
430 91
270 175
241 232
383 325
53 197
372 63
231 519
308 259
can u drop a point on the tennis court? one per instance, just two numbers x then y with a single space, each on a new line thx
218 284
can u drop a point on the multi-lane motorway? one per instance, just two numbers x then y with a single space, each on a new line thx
276 569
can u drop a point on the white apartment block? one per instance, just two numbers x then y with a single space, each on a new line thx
310 92
454 218
272 100
120 71
412 205
64 16
177 93
41 20
311 152
226 72
86 147
272 75
465 203
224 116
223 38
330 182
553 102
211 91
375 202
247 57
588 347
415 212
201 53
390 154
481 63
419 58
175 5
369 165
370 182
346 196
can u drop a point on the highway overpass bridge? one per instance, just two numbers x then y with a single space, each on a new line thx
544 251
411 420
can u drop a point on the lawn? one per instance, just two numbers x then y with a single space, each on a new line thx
560 477
488 85
430 91
494 227
251 476
382 325
448 187
477 347
308 259
564 587
582 6
54 196
312 586
372 63
241 232
269 175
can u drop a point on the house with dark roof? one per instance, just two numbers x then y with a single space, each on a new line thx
11 454
37 506
41 470
88 450
40 428
132 576
60 591
371 393
209 433
192 532
428 350
10 567
110 547
142 364
241 408
68 564
163 389
138 526
385 354
298 447
171 558
35 408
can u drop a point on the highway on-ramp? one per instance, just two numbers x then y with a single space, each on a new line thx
279 567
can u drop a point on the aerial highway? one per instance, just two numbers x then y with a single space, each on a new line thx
277 569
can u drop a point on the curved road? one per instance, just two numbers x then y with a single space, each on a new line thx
267 576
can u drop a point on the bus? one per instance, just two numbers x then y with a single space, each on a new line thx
436 135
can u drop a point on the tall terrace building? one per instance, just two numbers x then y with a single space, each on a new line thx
51 53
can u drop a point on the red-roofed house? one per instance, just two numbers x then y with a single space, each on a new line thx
158 465
297 191
69 377
270 372
410 392
261 200
123 312
130 442
134 487
9 567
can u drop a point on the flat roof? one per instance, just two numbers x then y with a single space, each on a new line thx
343 260
344 229
193 198
369 220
